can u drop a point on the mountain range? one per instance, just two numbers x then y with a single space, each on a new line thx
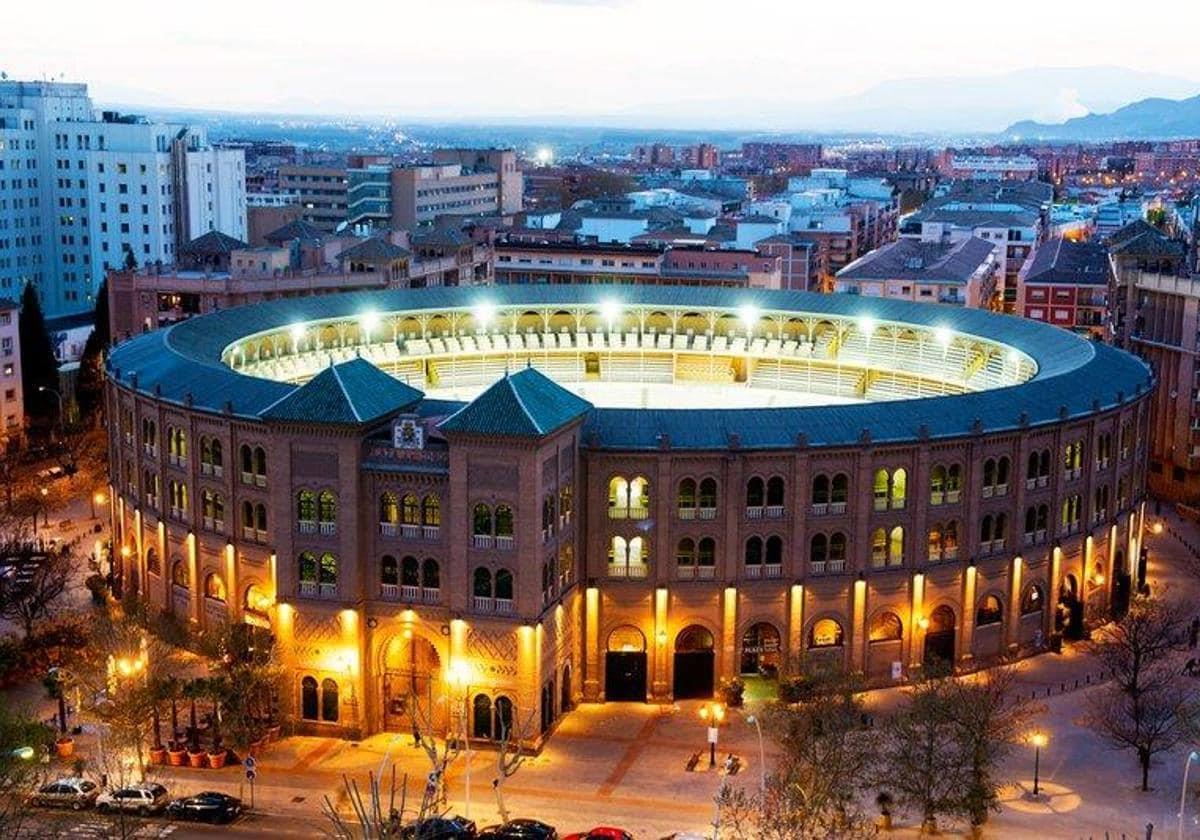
1154 118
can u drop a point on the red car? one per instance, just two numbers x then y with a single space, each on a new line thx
601 832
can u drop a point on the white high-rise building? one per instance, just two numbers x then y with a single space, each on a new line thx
82 192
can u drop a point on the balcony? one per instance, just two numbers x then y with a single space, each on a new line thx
687 513
754 512
1030 483
837 508
504 541
950 553
881 503
772 570
247 478
174 460
431 594
387 529
754 572
636 570
1001 489
1043 481
937 497
496 606
952 496
389 591
430 532
618 513
639 512
1101 463
307 526
178 512
706 572
837 566
260 480
897 504
819 509
410 531
988 491
150 450
504 606
773 511
1029 538
327 529
706 513
817 567
481 540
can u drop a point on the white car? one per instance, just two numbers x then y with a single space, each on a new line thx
141 799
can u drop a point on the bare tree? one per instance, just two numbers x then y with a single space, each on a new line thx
37 579
509 759
439 758
373 820
1142 709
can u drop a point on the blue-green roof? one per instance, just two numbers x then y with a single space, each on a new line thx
522 404
351 393
182 364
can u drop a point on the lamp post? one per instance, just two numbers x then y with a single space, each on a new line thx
98 498
61 420
1039 740
762 757
712 714
1187 765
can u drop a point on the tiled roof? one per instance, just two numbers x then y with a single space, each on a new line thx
211 244
522 404
297 229
929 262
350 393
1074 263
1142 239
374 249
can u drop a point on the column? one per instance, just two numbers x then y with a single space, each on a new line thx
965 639
194 576
1052 584
233 603
916 652
1012 627
728 632
858 632
139 552
795 639
591 644
660 687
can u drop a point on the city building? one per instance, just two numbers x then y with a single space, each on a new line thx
12 396
267 212
321 192
959 273
83 192
999 167
1066 284
781 157
454 499
457 182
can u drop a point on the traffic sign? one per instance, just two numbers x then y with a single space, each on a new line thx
250 762
250 774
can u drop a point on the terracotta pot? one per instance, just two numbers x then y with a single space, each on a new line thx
64 747
884 822
177 758
198 759
273 733
158 755
216 760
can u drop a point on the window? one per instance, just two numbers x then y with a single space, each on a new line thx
410 510
1033 601
214 588
686 499
886 627
180 576
504 521
481 520
825 633
990 611
326 507
329 701
306 506
389 509
308 698
754 551
431 511
152 563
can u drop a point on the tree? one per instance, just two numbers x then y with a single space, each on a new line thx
921 761
38 581
90 385
39 367
509 758
22 740
1142 709
988 719
130 259
827 761
245 683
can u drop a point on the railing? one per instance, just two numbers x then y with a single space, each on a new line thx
950 553
706 572
150 449
881 503
952 496
410 531
772 570
897 504
1043 481
431 594
387 529
504 541
773 511
618 570
1029 538
260 480
206 468
177 460
481 540
247 478
837 508
819 508
430 532
328 590
685 572
327 529
504 606
706 513
754 571
1030 483
307 526
817 567
988 491
178 512
389 591
309 588
836 566
639 512
408 592
687 513
618 513
936 497
1001 489
1101 463
754 511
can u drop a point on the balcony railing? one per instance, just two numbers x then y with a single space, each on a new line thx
430 532
837 566
410 531
327 529
754 511
307 526
988 491
1002 489
952 496
837 508
504 541
773 511
819 508
706 513
388 529
772 570
705 572
687 513
937 497
635 570
639 512
817 567
881 503
481 540
754 571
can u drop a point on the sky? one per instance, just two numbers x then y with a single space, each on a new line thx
484 59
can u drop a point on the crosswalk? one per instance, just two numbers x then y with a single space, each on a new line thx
99 828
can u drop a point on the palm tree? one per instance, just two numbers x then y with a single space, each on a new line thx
193 690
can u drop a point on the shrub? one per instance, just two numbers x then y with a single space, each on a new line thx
732 691
797 689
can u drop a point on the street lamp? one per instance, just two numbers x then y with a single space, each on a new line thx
712 714
44 390
1187 765
98 498
1039 740
762 758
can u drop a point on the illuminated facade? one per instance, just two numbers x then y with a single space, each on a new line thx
478 505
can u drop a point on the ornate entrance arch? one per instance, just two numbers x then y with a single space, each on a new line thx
412 684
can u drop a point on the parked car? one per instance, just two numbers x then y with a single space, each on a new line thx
210 807
141 799
601 832
440 828
74 793
519 830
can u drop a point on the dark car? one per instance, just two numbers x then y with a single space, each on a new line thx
519 830
440 828
210 807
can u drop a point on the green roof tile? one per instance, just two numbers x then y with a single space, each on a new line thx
522 404
351 393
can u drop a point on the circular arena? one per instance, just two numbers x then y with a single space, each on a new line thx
457 506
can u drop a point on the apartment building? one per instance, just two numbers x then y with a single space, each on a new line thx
457 182
998 167
959 273
12 398
83 192
322 193
1066 284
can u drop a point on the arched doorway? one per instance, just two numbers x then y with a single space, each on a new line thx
939 639
694 663
1068 619
412 685
625 665
761 648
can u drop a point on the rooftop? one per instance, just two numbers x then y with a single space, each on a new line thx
921 262
1062 261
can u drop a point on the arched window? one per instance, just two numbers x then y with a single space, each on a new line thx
502 722
481 583
260 519
410 571
685 553
825 633
431 574
180 576
504 521
935 542
879 547
686 499
214 587
638 553
896 546
481 520
1033 601
504 585
329 701
880 490
990 611
1044 466
618 552
1031 470
152 564
618 497
260 464
837 547
707 497
308 567
820 490
818 549
306 506
389 571
256 601
389 509
329 570
989 476
410 509
327 507
247 457
899 492
431 511
639 497
985 531
839 489
754 551
1003 467
308 698
774 551
481 717
756 493
937 485
1030 523
775 491
886 627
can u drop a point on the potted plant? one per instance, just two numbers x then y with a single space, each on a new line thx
193 690
64 745
732 692
96 584
158 752
884 801
217 754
